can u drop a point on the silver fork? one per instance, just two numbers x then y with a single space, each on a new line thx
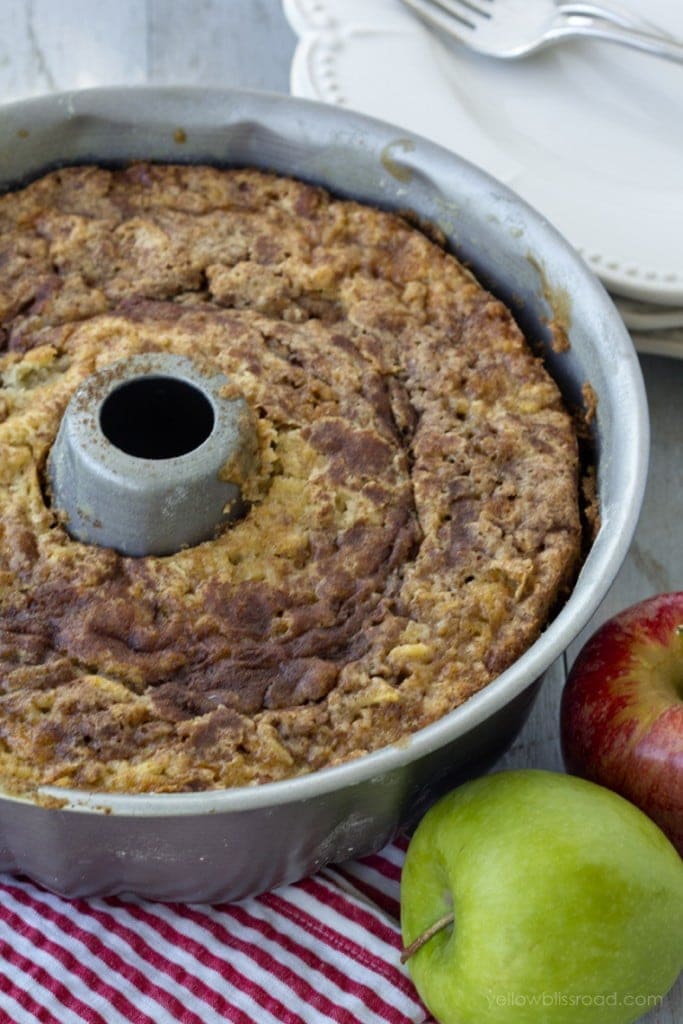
516 28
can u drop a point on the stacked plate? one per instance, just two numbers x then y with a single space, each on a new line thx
589 133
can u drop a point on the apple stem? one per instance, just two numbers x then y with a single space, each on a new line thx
426 935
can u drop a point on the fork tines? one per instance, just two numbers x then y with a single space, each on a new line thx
465 11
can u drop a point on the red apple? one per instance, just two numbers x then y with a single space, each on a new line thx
621 715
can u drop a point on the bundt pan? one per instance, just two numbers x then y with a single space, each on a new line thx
228 844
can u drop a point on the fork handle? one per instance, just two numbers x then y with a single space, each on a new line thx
596 28
615 14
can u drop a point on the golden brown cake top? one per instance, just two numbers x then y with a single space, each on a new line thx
412 524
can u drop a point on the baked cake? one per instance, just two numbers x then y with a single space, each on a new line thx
412 525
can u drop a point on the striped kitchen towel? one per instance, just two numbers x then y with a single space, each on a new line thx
323 950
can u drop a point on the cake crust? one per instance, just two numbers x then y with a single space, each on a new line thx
414 520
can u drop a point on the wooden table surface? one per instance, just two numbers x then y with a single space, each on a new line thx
48 45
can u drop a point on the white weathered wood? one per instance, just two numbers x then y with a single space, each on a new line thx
48 45
244 43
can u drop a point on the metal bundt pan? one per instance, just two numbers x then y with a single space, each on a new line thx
229 844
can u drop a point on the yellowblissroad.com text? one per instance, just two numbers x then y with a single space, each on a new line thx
547 999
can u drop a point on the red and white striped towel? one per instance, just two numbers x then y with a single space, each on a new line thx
324 950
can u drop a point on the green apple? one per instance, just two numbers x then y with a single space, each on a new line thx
551 900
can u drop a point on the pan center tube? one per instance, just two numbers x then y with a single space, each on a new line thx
152 455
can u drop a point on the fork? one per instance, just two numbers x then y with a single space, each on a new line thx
516 28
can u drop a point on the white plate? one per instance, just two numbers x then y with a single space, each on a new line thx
642 316
589 133
656 330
